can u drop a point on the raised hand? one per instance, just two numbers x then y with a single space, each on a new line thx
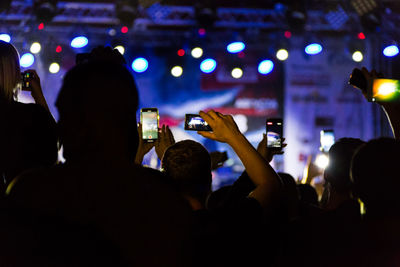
36 90
267 153
218 159
224 127
143 148
165 140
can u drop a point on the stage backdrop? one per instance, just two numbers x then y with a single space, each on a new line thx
317 96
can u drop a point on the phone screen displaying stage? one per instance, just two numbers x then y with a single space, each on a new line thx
274 133
149 120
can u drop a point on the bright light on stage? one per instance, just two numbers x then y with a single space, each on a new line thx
391 51
197 52
208 65
313 49
5 37
27 60
140 65
79 42
120 49
54 67
357 56
35 48
177 71
282 54
322 161
235 47
237 73
265 66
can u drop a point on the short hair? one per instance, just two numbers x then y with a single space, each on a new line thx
105 86
375 172
104 92
10 72
338 170
188 163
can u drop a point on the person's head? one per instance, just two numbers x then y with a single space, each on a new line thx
337 174
10 73
188 163
290 196
307 194
375 172
97 107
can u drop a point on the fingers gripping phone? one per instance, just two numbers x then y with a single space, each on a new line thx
149 119
274 133
193 122
327 139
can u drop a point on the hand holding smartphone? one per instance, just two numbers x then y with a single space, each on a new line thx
274 129
27 77
149 119
327 139
193 122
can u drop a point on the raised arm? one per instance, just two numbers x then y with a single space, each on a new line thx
143 148
37 92
263 176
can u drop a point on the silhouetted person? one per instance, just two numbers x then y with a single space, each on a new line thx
338 186
28 136
98 186
307 194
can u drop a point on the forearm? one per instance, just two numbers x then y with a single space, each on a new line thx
393 114
139 158
260 172
40 100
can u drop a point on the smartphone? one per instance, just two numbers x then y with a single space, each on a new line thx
327 139
357 79
385 90
149 120
193 122
274 133
26 80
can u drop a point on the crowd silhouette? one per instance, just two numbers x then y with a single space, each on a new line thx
103 208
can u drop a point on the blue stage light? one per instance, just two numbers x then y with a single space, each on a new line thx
5 37
208 65
391 51
265 66
79 42
313 49
140 65
27 60
236 47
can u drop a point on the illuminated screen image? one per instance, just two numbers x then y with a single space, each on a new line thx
327 140
274 134
386 90
149 125
196 123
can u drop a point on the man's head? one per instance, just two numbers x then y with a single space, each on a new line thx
97 105
188 163
337 174
375 171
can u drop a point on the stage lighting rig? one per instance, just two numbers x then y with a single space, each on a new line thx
296 15
127 11
205 13
336 16
45 10
5 5
368 11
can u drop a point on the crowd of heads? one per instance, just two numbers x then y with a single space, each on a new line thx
97 124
